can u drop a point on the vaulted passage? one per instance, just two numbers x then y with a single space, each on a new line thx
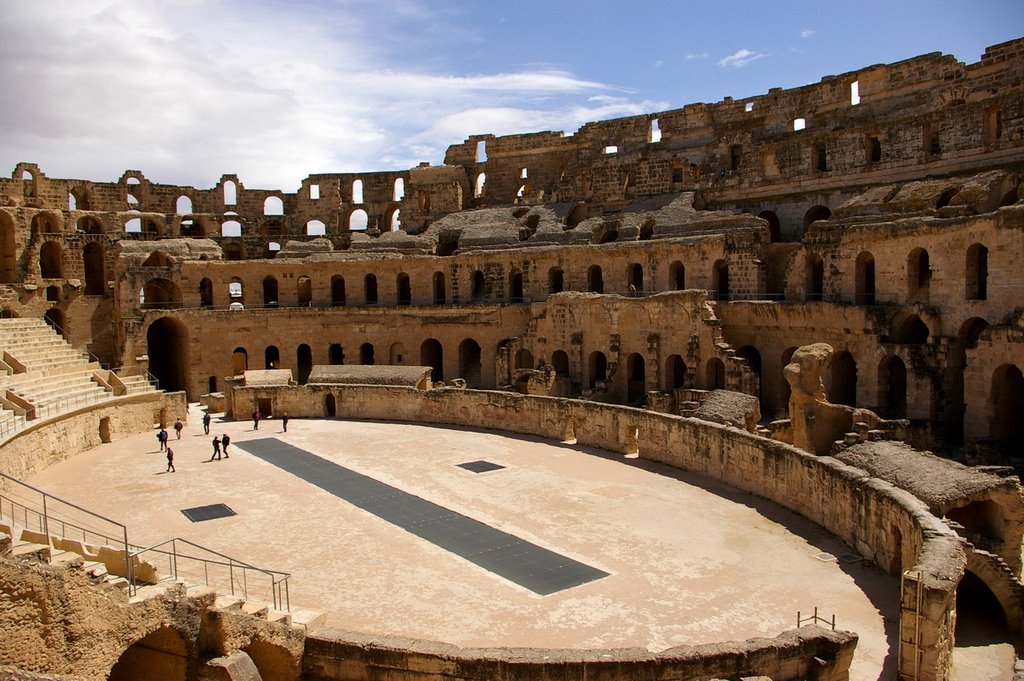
168 341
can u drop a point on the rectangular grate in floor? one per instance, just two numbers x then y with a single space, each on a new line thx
480 466
528 565
211 512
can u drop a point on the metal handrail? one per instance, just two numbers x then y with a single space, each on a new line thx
278 580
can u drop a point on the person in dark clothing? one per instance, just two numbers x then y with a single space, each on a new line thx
216 449
225 441
170 461
284 422
161 437
206 423
178 425
256 419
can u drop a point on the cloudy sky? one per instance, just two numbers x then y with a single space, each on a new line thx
275 90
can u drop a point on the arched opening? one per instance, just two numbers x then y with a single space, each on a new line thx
370 289
606 233
774 226
304 291
438 288
635 278
404 288
715 374
8 250
303 363
316 228
161 294
480 186
1008 407
396 354
479 287
597 370
524 359
842 387
335 354
636 384
187 228
158 655
94 264
892 388
646 230
205 292
595 279
270 293
337 290
977 272
677 276
233 251
560 362
720 280
358 221
911 331
236 293
53 293
753 357
395 221
87 224
367 354
230 193
515 287
330 406
239 362
981 520
814 214
919 275
271 357
357 191
980 618
815 277
231 228
556 280
51 264
865 279
55 318
432 355
399 190
675 373
469 362
44 223
272 205
273 662
167 343
577 215
966 339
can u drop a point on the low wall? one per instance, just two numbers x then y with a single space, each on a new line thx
885 524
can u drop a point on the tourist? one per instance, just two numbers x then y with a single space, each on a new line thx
255 419
225 441
178 425
284 422
161 437
216 448
170 461
206 423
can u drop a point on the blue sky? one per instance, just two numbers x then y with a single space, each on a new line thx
275 90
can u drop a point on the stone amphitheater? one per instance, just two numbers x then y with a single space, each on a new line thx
809 301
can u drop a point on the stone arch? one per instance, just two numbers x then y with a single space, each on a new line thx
51 260
635 278
911 330
403 286
304 290
892 387
560 362
715 374
524 359
636 379
953 414
646 230
478 286
367 354
595 279
1007 400
556 280
89 224
205 292
335 354
271 357
161 294
337 290
79 194
677 276
438 288
675 372
842 388
515 286
597 369
167 341
94 264
815 277
397 354
358 220
160 654
303 363
316 228
720 279
330 406
470 364
480 186
45 223
753 357
398 192
976 274
8 250
274 662
774 226
370 289
919 275
273 205
239 361
577 215
193 229
981 615
158 259
606 233
432 355
864 276
815 213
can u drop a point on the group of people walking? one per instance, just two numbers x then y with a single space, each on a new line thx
220 443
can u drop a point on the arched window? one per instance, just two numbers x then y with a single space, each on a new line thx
273 205
337 290
720 277
183 206
675 373
161 294
335 354
560 362
235 291
1007 398
404 289
230 193
515 287
432 355
271 357
87 224
843 379
51 256
367 354
370 289
677 276
270 292
815 213
480 186
892 388
239 361
479 288
635 279
134 225
358 221
357 191
205 293
556 280
595 279
919 275
438 288
95 269
8 250
597 369
315 228
399 192
715 374
524 359
304 290
774 226
231 228
303 363
911 331
815 277
865 279
977 272
396 220
636 371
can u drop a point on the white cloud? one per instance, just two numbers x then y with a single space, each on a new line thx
807 32
741 58
188 90
695 56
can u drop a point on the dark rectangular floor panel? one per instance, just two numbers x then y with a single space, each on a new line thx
517 560
211 512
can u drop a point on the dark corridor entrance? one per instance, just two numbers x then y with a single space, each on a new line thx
167 339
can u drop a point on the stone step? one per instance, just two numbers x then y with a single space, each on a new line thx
308 619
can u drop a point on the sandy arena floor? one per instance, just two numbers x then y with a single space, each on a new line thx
690 561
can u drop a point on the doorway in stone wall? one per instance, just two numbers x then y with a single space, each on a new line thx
167 340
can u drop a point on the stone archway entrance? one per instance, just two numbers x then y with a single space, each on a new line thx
167 340
159 656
